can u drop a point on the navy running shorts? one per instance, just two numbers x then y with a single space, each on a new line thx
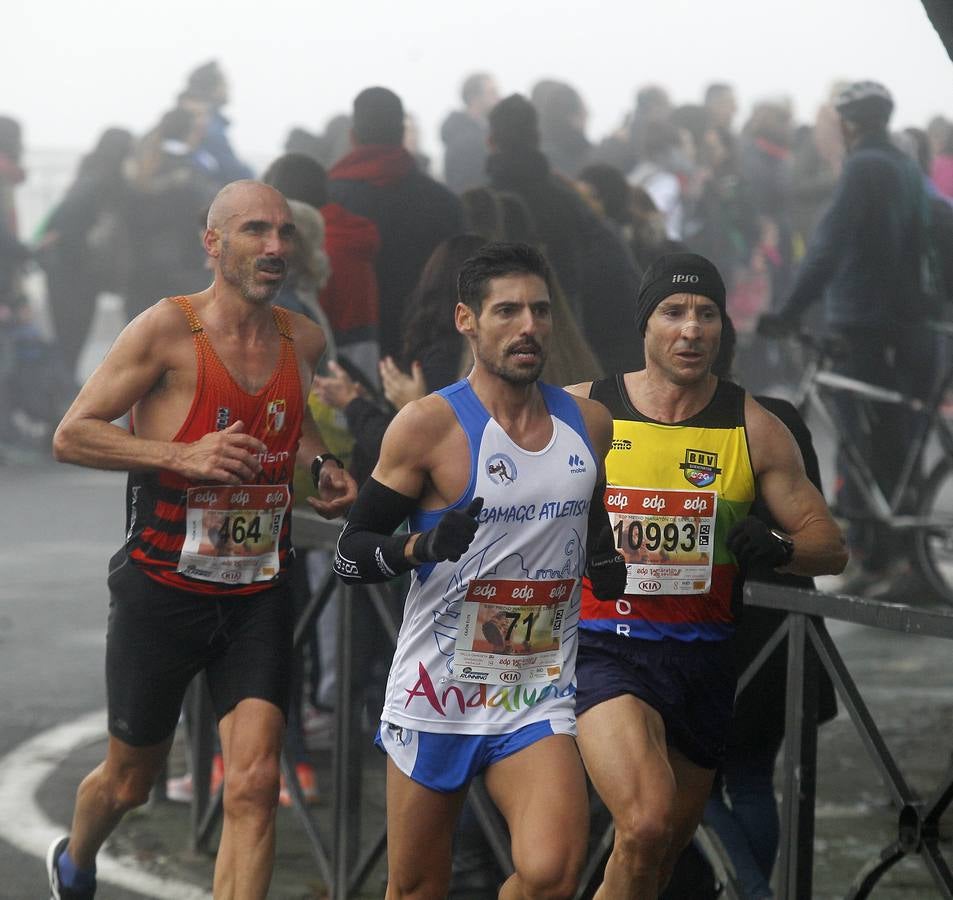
448 762
690 684
158 638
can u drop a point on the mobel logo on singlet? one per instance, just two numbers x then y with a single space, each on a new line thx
700 467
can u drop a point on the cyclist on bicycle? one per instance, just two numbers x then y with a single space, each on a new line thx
864 260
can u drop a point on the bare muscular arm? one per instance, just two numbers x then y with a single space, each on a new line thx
146 355
795 503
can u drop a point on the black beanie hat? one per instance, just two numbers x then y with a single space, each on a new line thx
678 273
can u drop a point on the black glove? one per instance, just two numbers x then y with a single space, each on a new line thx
776 325
754 544
451 536
606 567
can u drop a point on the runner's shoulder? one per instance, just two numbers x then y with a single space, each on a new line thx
597 417
159 329
581 389
423 423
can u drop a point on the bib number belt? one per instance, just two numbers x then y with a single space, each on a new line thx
231 532
511 631
666 537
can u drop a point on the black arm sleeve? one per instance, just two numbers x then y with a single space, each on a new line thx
599 525
368 551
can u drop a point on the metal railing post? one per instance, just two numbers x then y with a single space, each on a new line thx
796 862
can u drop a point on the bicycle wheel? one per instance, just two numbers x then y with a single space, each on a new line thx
934 544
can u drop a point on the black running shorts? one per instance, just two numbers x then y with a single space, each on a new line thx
158 638
690 684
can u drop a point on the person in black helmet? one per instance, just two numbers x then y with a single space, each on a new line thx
864 261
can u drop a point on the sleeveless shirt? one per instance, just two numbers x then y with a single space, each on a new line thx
488 643
157 501
673 492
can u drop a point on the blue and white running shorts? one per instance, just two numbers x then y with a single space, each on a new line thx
448 762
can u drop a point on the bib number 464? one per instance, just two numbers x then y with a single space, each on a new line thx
238 529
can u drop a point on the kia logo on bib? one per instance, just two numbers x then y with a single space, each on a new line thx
650 587
685 279
509 676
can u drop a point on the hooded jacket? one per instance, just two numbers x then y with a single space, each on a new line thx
412 213
350 298
864 257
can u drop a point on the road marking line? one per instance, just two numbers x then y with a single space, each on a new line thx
24 825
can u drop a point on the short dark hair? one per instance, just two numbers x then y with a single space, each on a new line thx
514 124
717 89
204 81
473 86
11 141
378 117
299 177
176 124
498 260
611 188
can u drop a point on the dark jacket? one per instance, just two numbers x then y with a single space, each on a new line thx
864 256
413 214
594 268
758 722
557 211
464 161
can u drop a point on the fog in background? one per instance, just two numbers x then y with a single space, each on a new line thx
70 69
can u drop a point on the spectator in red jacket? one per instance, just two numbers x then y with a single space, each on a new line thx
350 298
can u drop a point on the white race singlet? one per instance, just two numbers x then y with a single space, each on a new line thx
488 643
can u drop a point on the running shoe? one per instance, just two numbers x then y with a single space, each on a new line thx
59 891
308 780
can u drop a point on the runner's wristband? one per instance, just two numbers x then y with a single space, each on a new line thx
318 462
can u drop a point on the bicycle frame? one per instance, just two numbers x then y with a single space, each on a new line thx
817 388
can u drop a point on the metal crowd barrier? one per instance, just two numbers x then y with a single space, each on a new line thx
917 817
344 871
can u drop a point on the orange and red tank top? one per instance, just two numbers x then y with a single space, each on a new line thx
218 539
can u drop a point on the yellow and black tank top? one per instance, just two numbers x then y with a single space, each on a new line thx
674 491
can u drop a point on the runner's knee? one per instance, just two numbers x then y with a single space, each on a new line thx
418 884
548 877
644 835
252 787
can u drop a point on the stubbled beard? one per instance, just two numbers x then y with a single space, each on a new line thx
518 378
244 280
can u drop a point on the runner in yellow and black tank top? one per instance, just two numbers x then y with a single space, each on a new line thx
673 492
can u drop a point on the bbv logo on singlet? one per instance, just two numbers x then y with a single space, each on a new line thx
275 418
700 467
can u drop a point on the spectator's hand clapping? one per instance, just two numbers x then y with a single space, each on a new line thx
338 389
399 387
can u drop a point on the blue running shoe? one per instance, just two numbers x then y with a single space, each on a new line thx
59 891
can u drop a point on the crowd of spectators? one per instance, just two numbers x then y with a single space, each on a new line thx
381 234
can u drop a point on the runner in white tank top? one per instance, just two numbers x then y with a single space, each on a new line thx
518 582
502 479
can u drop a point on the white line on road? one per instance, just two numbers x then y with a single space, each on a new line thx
24 825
